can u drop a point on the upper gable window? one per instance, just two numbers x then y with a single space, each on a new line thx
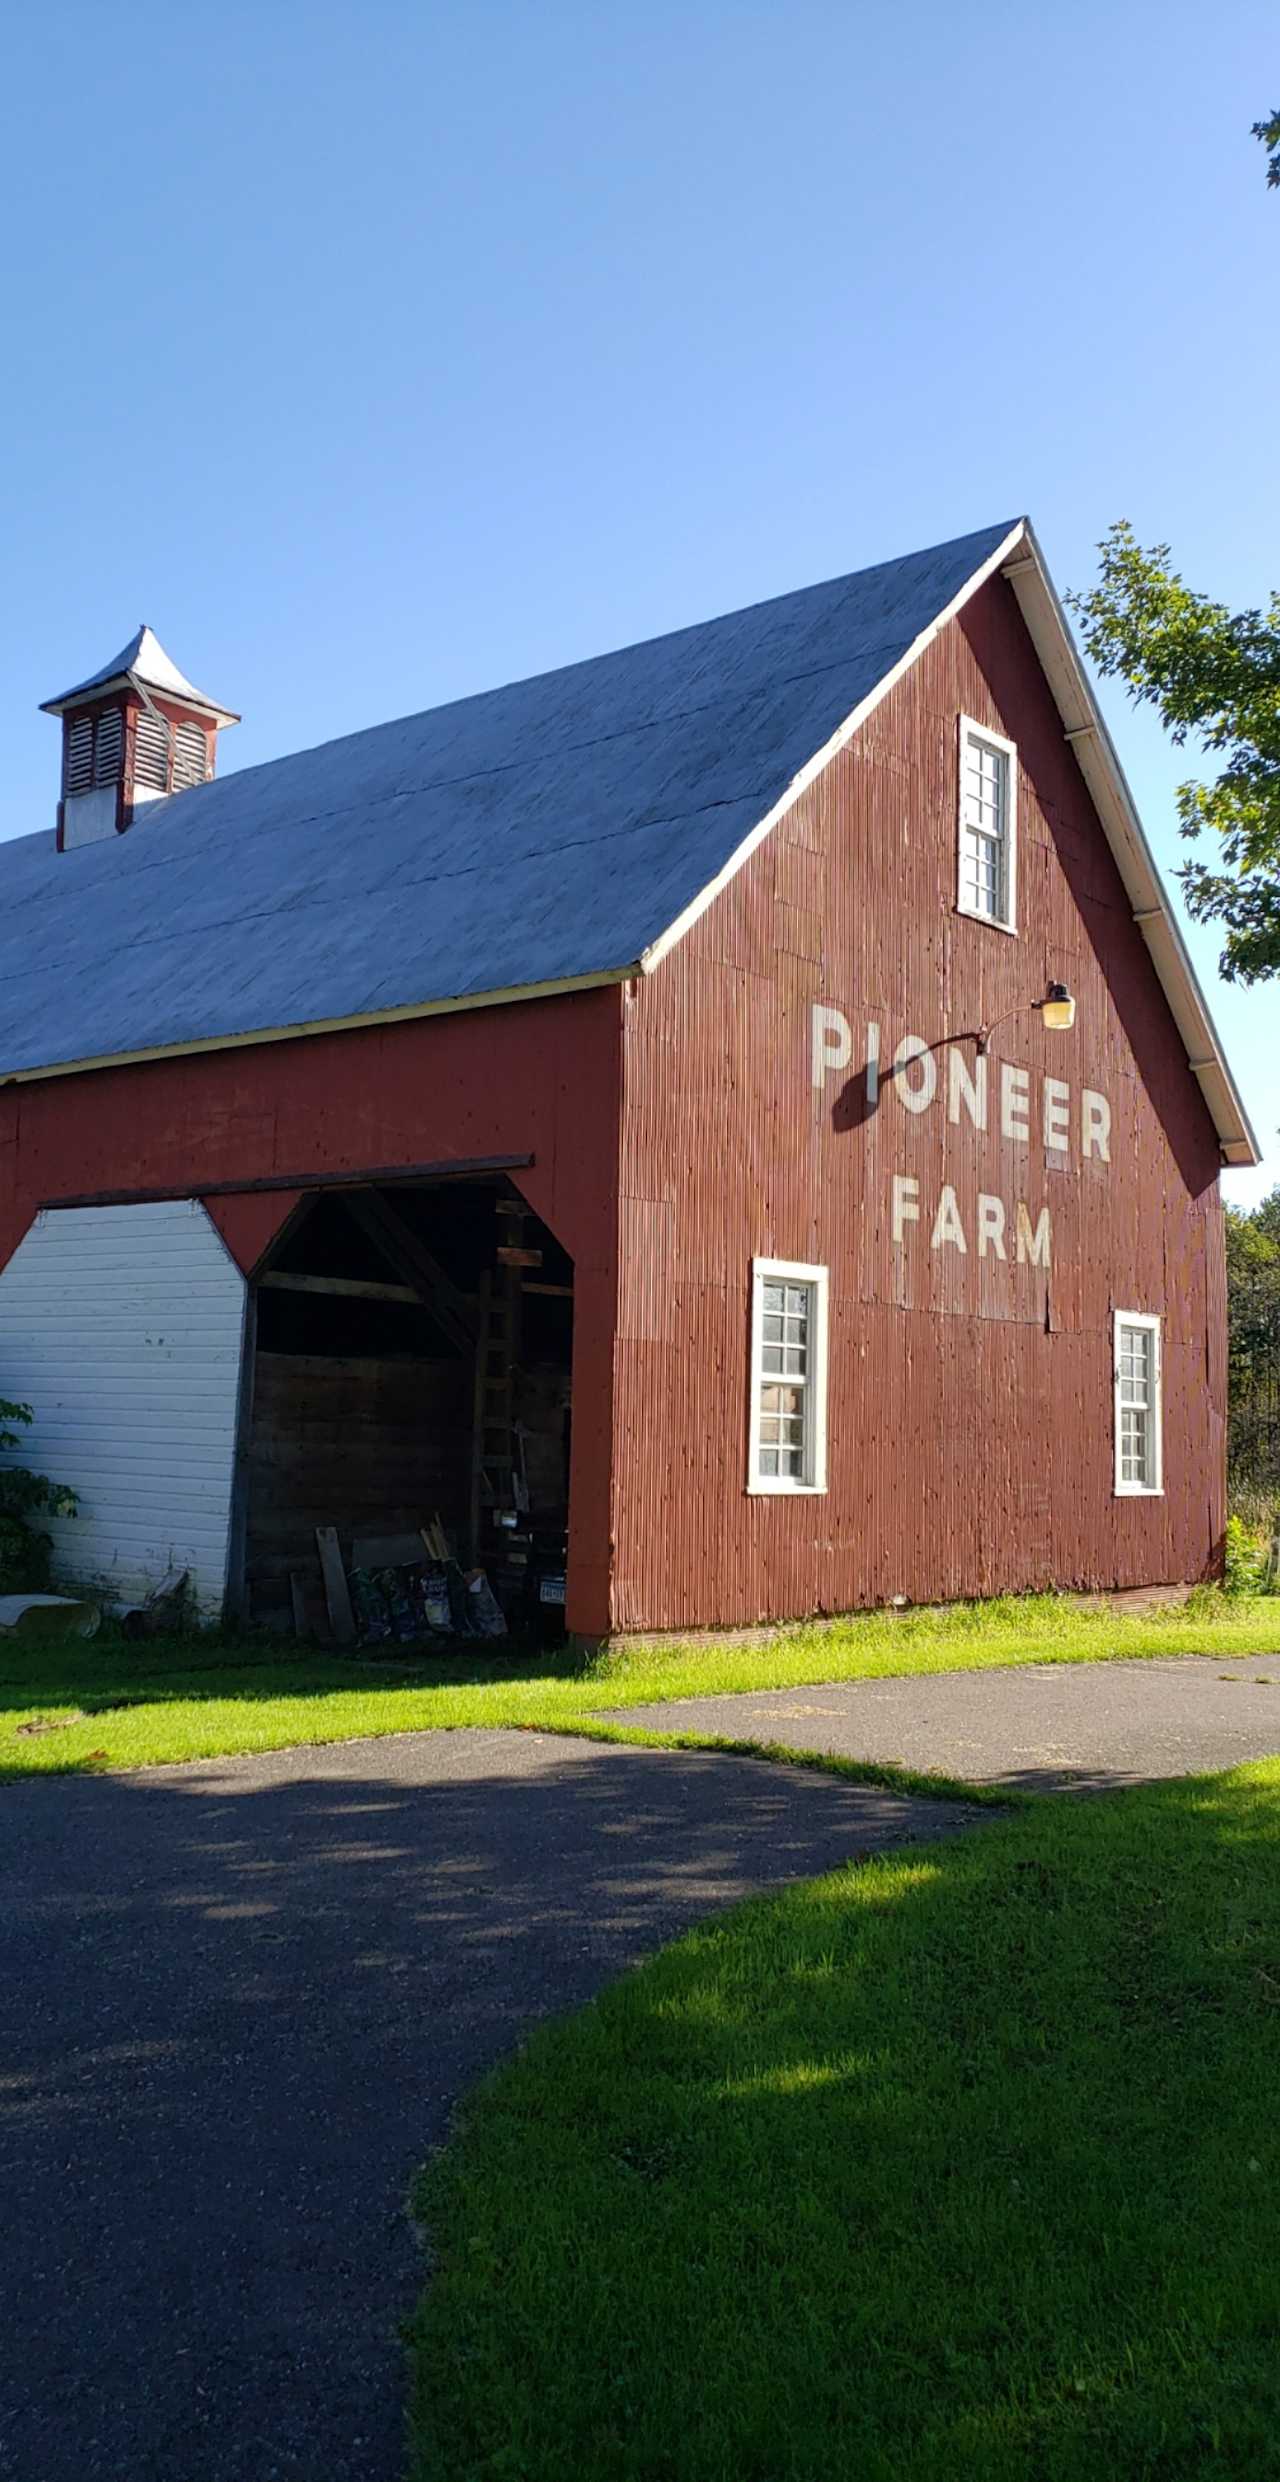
988 851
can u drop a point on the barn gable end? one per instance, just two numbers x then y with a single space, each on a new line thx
969 1436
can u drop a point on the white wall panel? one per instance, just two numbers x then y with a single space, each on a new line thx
123 1329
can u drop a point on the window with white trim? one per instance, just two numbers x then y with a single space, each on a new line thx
988 857
788 1430
1139 1447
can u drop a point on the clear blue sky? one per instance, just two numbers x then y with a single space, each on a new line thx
377 354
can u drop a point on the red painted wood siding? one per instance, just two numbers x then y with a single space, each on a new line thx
251 1220
536 1078
970 1430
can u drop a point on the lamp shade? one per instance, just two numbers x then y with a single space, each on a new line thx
1058 1008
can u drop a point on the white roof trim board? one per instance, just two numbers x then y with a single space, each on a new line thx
822 758
1096 756
142 660
558 834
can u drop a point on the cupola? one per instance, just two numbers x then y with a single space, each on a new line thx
133 733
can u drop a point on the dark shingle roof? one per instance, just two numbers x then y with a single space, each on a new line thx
543 833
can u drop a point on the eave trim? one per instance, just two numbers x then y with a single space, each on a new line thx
117 681
321 1025
1096 757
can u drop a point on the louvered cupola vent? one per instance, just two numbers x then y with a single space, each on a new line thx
133 735
93 751
77 763
151 740
108 746
190 757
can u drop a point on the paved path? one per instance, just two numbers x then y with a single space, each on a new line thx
1039 1726
241 1998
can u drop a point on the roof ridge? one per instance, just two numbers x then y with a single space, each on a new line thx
634 646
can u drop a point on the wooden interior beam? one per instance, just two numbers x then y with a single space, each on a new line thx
399 1244
353 1288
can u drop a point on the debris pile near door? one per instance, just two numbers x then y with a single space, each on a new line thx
166 1608
401 1589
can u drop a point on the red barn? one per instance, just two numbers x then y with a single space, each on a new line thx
740 1106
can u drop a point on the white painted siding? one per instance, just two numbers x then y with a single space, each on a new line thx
89 817
123 1329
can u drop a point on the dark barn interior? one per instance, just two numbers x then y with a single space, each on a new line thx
411 1369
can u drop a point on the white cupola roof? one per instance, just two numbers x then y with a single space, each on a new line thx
143 662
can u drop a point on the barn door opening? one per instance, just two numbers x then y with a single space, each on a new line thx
412 1361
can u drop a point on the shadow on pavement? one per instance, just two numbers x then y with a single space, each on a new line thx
242 1997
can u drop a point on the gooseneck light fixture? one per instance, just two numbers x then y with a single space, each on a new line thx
1057 1014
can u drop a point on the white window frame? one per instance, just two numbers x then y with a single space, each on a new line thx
813 1481
971 730
1154 1489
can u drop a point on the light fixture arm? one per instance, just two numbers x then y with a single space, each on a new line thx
1057 1008
985 1032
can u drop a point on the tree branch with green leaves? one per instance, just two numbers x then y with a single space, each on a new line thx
1216 674
1268 135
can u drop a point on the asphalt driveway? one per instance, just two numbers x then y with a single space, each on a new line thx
1038 1727
240 2001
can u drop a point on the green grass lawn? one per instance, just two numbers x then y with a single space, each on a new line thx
114 1704
960 2167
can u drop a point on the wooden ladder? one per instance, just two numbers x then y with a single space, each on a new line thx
493 1457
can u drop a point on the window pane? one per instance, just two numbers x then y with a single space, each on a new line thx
982 874
984 806
1138 1406
1135 1445
1136 1366
783 1414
